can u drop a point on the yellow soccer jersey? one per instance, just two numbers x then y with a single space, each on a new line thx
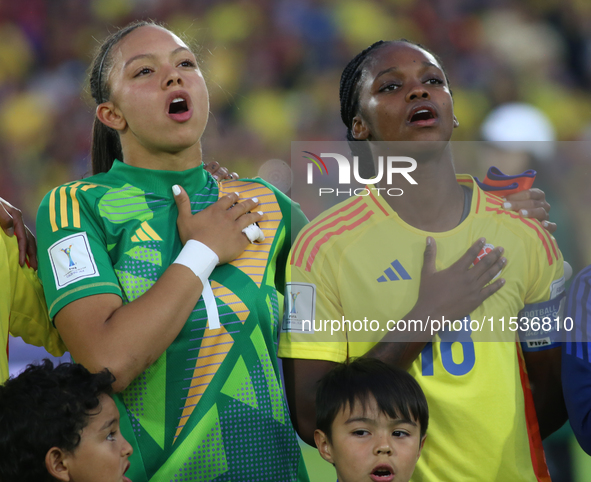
22 306
360 261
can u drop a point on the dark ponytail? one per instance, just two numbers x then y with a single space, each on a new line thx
106 146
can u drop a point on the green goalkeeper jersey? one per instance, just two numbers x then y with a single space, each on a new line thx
211 408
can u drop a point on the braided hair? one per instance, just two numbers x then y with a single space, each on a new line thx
349 98
106 146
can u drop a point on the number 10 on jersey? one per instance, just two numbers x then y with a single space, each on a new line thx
448 338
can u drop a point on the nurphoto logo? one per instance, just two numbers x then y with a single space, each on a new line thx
393 165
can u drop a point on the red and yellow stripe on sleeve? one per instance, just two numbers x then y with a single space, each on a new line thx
494 204
349 216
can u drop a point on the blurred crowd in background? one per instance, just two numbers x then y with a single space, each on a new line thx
273 69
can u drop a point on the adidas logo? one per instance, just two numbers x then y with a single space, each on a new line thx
391 273
145 233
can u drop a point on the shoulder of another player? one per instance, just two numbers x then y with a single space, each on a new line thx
249 188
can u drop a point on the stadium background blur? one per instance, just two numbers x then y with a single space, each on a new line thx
273 70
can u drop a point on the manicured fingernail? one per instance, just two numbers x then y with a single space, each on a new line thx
10 231
428 240
501 250
507 205
545 224
237 194
523 212
260 212
176 190
256 200
503 260
216 177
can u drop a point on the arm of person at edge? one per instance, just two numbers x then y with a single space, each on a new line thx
543 367
454 291
11 221
576 366
110 336
544 373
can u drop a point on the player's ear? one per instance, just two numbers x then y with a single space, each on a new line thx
359 128
323 445
111 116
421 446
56 464
456 122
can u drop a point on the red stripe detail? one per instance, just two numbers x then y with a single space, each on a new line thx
493 200
327 236
478 201
531 225
544 232
308 229
550 240
538 459
378 203
352 214
467 181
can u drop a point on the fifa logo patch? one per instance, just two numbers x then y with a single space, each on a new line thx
72 260
68 252
294 297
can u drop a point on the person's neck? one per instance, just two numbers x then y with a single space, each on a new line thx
138 156
436 202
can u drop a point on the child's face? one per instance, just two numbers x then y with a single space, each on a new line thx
102 455
369 446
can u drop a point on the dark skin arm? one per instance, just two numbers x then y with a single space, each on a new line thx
544 371
453 292
543 367
11 221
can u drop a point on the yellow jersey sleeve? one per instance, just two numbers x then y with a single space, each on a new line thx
28 311
312 299
546 269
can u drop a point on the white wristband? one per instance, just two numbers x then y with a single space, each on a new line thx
198 258
202 260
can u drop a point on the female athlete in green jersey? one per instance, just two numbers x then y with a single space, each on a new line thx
147 271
